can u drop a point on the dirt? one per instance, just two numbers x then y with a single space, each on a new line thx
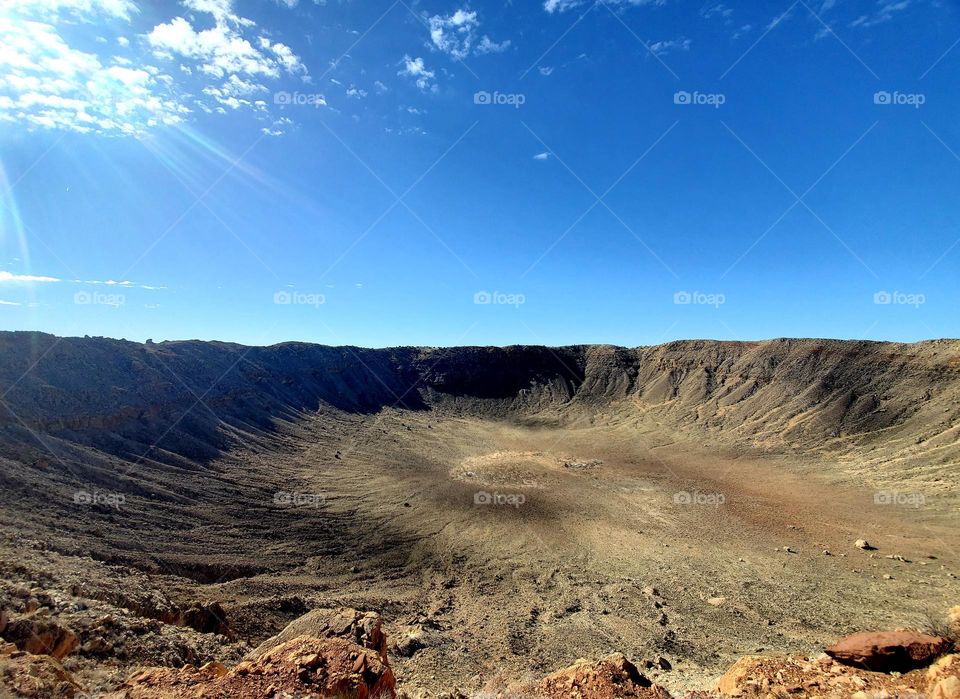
507 511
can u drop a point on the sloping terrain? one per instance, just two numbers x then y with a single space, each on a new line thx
507 510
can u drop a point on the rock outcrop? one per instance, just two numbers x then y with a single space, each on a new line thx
303 666
31 676
614 677
888 651
40 636
363 628
756 676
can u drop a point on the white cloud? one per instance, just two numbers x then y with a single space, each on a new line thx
356 92
279 127
884 13
415 68
488 45
662 47
546 70
222 11
381 88
81 9
44 82
8 303
222 50
541 156
456 35
11 277
552 6
719 10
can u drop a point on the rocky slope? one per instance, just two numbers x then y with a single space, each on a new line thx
130 399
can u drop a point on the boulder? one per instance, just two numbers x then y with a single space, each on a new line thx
888 651
363 628
35 677
41 636
614 677
301 667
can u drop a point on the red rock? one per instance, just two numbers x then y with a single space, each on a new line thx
614 677
363 628
41 636
888 651
36 677
302 667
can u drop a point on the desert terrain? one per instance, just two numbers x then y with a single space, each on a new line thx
506 511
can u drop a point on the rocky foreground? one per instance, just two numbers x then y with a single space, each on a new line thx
343 653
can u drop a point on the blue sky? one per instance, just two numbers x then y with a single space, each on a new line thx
446 172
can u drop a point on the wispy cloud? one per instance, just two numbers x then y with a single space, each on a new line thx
18 278
457 35
79 9
719 10
13 278
884 13
541 156
416 68
552 6
662 47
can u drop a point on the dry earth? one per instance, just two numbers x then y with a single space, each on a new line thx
507 511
